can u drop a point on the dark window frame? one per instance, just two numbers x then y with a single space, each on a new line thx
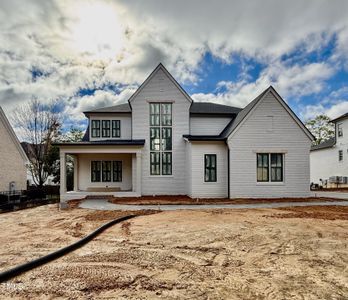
117 170
339 129
106 130
210 169
95 130
274 166
116 128
106 174
95 171
161 138
340 155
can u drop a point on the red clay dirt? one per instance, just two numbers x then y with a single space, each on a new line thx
177 200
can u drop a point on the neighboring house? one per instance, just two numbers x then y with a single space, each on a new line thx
28 149
13 160
161 142
329 160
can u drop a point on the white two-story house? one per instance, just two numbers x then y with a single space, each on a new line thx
161 142
329 160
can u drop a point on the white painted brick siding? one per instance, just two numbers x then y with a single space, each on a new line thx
12 166
253 136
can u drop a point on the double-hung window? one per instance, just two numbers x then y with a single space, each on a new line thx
210 168
103 171
117 171
161 139
95 128
339 130
106 128
340 155
116 128
95 171
270 167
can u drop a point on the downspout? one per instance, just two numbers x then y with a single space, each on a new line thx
228 170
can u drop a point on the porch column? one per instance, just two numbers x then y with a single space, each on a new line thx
62 172
76 178
139 173
134 172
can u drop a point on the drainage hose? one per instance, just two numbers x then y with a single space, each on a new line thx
4 276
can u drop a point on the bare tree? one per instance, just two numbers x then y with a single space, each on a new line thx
38 124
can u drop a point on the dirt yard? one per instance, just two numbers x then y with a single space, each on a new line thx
295 253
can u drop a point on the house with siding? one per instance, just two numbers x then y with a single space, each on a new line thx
13 160
161 142
329 160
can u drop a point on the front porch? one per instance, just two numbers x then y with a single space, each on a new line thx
104 170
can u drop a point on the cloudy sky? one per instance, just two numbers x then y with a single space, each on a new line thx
88 54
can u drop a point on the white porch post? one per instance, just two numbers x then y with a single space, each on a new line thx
134 172
138 170
62 173
76 178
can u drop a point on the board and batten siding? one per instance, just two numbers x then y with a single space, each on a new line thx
160 88
84 171
125 121
208 125
200 188
269 128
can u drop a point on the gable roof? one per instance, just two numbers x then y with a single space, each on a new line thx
160 67
230 128
340 118
12 134
324 145
213 108
120 108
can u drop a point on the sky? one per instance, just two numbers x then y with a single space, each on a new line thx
86 54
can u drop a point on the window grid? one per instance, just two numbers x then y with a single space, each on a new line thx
116 128
105 128
161 139
339 130
117 171
270 167
340 155
95 128
210 168
101 171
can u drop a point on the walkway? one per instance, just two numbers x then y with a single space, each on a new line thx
338 195
99 204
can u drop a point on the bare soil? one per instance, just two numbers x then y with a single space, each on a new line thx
287 253
176 200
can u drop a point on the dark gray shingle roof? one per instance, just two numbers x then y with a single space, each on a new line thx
340 117
326 144
213 108
120 108
104 142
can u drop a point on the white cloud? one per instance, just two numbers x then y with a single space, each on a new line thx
53 37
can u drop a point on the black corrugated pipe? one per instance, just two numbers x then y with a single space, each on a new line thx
4 276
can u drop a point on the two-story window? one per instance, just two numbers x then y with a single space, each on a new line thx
106 128
340 130
210 168
106 171
270 167
161 138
